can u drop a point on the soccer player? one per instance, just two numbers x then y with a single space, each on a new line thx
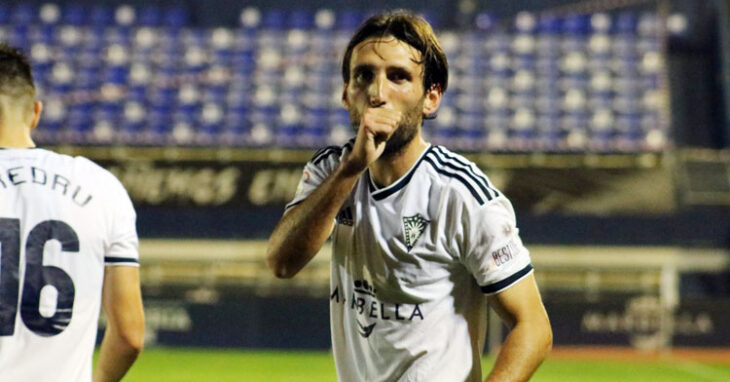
422 241
68 246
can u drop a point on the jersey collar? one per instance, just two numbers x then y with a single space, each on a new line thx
382 193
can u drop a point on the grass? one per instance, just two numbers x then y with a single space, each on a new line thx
182 365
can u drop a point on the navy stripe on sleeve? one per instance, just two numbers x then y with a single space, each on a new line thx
457 177
480 178
491 288
120 260
321 154
464 172
326 153
292 204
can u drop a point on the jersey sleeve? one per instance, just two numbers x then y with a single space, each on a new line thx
322 164
123 243
493 251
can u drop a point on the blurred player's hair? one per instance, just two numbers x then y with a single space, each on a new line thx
16 75
415 31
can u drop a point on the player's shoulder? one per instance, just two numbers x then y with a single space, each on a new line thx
461 176
89 165
332 153
85 168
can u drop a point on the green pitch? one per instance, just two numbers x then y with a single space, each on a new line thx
195 365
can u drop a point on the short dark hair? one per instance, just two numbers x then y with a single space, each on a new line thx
415 31
16 75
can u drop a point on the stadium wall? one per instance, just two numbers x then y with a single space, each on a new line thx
301 322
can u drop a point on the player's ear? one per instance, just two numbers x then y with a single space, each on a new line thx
432 100
345 102
37 110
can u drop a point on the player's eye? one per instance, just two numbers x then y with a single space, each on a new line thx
363 76
399 76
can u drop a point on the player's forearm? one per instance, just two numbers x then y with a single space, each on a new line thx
117 355
301 233
526 346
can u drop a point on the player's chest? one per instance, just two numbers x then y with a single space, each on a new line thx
406 227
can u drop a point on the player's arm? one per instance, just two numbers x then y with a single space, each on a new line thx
124 334
303 230
530 338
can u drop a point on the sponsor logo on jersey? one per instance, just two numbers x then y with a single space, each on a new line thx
364 287
413 227
365 331
345 217
505 254
365 304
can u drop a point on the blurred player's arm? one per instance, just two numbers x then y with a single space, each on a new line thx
124 335
530 338
304 228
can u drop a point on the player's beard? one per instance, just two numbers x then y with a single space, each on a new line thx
404 133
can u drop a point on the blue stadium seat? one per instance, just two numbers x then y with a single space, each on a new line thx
49 14
211 121
601 23
116 74
576 25
24 14
525 23
626 23
301 19
175 17
117 35
44 33
469 130
102 132
19 35
275 19
54 116
101 15
485 22
546 83
74 14
132 122
324 19
433 18
250 18
348 20
4 14
125 16
87 78
149 16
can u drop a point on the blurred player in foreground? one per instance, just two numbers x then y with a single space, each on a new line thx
69 246
421 239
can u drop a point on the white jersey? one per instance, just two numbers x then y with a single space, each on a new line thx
412 264
62 219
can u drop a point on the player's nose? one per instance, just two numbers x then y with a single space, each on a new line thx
376 91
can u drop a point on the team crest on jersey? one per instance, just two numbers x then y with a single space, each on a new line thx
413 227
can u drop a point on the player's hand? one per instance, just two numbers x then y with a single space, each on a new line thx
376 127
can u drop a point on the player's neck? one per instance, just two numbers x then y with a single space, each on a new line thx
13 138
386 170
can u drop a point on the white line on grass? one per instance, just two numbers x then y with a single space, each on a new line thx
707 373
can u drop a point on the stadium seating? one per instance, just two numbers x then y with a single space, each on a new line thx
147 76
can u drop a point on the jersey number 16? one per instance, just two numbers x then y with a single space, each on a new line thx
37 276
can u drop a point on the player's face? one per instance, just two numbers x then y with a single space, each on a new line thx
385 72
